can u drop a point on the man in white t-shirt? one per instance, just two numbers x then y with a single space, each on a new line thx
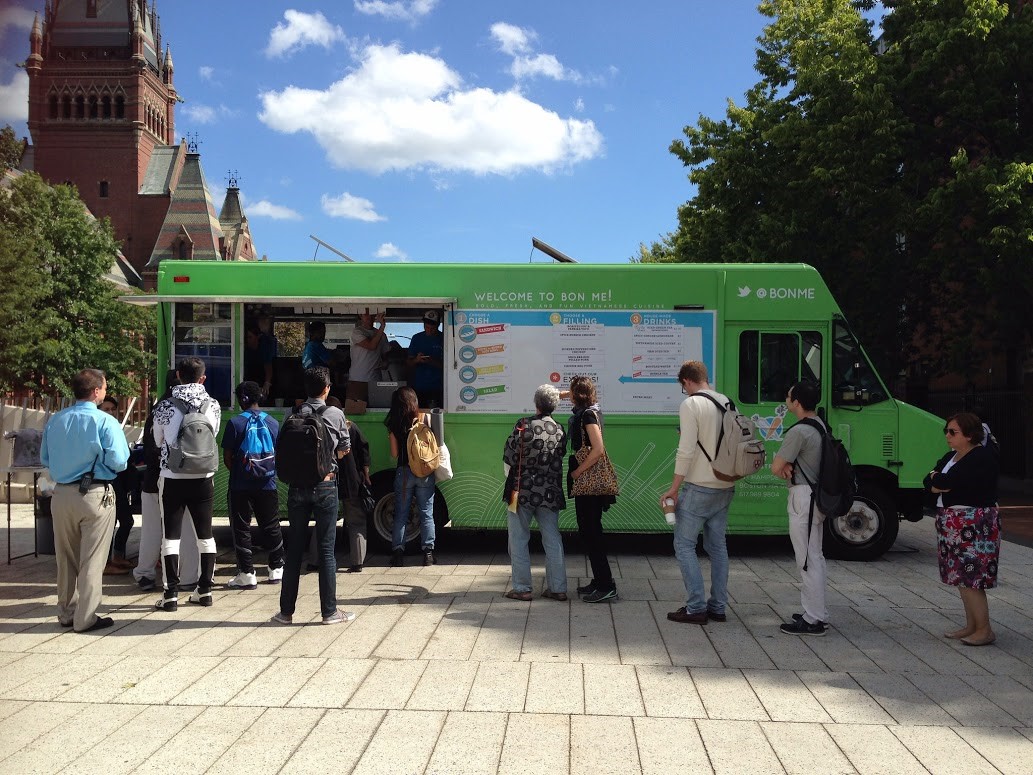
368 346
702 500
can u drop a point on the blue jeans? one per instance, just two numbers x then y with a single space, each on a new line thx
407 487
303 504
706 509
520 556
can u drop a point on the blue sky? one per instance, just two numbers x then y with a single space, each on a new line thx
430 130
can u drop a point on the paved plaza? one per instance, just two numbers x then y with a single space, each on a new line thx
442 674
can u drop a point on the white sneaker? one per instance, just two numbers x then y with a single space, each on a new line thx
339 617
275 575
243 581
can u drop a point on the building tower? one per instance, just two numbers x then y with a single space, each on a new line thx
101 100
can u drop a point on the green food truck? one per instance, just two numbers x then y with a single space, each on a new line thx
509 328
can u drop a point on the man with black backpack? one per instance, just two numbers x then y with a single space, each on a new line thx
311 441
799 462
185 427
248 450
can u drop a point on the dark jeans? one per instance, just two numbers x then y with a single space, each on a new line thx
266 507
124 494
589 510
305 503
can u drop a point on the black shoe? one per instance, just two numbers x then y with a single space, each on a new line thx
587 589
145 584
167 604
354 569
101 623
682 616
600 595
803 627
397 558
716 617
428 557
798 617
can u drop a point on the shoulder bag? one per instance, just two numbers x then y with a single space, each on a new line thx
600 479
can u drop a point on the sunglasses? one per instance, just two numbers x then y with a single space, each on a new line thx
951 431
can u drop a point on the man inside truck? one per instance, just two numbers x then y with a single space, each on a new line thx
369 345
427 361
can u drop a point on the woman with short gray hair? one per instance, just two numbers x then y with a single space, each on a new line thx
533 463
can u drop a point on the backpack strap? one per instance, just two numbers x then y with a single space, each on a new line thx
820 426
720 429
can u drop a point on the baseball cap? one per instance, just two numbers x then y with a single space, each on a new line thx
432 316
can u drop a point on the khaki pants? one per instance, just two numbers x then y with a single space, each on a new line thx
82 537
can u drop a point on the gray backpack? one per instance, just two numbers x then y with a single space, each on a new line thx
196 451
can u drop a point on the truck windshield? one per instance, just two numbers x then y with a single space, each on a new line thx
854 381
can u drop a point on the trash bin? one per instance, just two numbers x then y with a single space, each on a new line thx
44 526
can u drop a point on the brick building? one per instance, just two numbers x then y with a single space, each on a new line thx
102 104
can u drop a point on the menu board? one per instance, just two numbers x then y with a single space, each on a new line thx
502 356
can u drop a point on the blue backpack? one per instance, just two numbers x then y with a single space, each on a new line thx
257 450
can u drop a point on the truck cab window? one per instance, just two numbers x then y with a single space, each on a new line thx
854 381
769 362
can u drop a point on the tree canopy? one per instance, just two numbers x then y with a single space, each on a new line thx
899 166
57 312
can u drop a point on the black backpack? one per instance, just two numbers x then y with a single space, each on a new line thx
836 488
305 447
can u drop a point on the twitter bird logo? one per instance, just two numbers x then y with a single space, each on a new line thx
744 291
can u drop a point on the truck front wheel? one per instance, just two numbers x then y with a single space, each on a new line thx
381 521
867 531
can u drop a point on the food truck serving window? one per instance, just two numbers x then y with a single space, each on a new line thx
205 330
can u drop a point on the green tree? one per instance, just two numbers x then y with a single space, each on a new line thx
58 313
10 149
898 167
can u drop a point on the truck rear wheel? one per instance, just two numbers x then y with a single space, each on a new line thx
867 531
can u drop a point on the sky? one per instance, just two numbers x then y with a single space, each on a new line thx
440 130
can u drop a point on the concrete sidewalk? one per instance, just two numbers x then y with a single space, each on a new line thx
441 674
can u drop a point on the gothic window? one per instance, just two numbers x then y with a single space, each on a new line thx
66 106
53 106
80 107
91 9
105 106
120 106
93 106
104 189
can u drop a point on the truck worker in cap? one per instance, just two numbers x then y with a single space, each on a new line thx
427 360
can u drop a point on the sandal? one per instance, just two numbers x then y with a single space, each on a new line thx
561 596
514 595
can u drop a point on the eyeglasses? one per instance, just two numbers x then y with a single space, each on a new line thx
951 431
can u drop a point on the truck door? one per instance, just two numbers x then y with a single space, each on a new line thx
761 363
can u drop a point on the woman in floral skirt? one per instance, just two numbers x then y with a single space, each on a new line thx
968 524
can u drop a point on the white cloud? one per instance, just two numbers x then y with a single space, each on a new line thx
302 29
206 114
348 206
512 40
396 10
266 209
579 105
519 43
390 250
206 72
400 110
14 98
13 16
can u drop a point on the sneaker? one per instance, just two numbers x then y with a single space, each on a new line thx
338 617
167 604
243 581
276 575
599 595
682 616
797 617
587 589
428 557
802 627
201 598
281 618
398 558
145 584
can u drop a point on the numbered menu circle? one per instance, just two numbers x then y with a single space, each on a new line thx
468 374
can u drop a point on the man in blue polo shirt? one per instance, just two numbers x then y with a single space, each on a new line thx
84 448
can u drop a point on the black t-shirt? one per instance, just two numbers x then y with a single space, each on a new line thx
587 417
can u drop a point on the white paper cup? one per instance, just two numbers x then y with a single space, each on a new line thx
669 515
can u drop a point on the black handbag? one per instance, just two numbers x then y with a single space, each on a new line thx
369 503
